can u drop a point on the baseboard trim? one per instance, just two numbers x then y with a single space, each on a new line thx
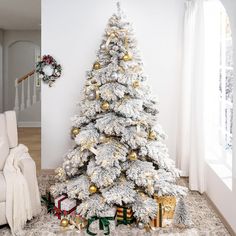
222 218
29 124
47 171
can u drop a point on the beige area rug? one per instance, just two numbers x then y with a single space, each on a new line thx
205 220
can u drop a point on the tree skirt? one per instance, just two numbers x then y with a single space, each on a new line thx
205 220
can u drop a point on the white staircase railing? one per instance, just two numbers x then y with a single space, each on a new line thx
26 91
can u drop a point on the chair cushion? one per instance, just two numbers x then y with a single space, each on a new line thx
11 128
4 145
2 187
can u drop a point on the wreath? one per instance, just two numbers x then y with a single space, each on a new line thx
48 70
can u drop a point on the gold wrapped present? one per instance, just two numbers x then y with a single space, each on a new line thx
78 221
166 209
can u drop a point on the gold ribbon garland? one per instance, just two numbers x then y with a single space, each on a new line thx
115 33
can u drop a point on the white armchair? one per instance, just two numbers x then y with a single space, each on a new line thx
8 141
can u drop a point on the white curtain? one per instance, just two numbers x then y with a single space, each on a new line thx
190 140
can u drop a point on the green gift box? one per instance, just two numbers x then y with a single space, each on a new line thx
104 222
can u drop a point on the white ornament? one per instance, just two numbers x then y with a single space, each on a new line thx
114 75
103 46
140 225
67 168
91 95
48 70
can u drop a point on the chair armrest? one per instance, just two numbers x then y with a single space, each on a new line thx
26 166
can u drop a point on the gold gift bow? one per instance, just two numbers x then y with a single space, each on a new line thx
79 226
167 208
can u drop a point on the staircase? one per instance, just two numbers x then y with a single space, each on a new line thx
27 98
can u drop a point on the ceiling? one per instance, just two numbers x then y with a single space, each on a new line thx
20 14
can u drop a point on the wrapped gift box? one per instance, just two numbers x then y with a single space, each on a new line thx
78 221
64 206
166 209
104 222
124 215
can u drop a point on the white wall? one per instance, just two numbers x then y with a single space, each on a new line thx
18 59
1 70
72 32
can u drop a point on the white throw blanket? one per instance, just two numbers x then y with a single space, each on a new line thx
18 203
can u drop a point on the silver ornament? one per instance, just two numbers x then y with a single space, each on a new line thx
114 75
67 168
103 46
91 95
140 225
74 165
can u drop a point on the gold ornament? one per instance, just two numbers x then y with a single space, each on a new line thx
96 66
75 131
105 106
93 189
152 135
135 84
64 222
132 156
127 57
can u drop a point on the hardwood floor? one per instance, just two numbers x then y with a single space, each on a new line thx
31 137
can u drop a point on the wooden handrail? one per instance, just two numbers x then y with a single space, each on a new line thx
25 76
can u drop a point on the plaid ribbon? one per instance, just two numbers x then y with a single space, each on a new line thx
125 220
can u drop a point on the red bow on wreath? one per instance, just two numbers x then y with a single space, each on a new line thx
48 59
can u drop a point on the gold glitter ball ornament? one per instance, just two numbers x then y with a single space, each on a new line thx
75 131
152 135
127 57
64 222
93 189
133 156
136 84
96 66
105 106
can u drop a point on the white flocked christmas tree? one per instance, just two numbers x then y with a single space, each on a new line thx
119 158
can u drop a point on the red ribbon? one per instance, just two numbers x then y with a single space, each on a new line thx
57 209
58 212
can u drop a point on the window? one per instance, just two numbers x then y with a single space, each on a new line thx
226 83
219 76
